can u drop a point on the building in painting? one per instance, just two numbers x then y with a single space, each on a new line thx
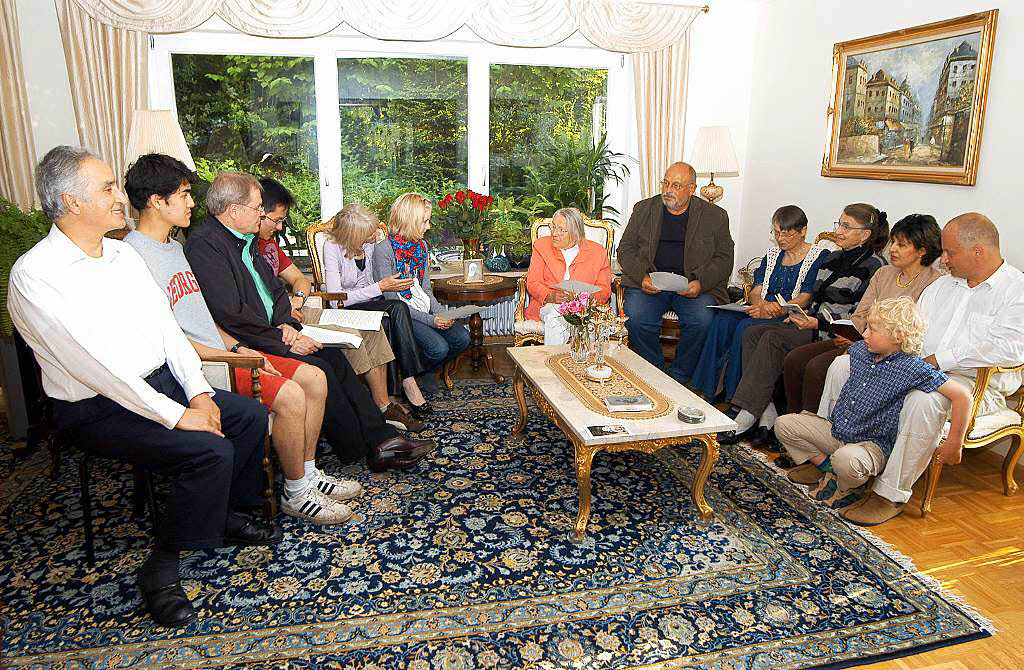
949 119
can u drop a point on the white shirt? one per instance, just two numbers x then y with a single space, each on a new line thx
99 326
976 327
570 255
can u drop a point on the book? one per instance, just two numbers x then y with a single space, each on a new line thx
330 337
609 429
351 318
628 403
573 286
669 281
790 307
841 327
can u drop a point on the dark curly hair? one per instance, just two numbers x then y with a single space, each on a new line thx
155 174
922 232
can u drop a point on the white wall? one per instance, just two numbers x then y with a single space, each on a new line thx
790 94
46 76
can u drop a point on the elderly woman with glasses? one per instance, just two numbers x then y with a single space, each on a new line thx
862 231
788 271
565 254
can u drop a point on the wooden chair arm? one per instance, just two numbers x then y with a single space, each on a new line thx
521 304
982 379
620 305
235 360
330 295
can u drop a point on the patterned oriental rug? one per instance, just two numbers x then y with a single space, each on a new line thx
466 563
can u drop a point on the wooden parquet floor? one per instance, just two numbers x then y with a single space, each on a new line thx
972 542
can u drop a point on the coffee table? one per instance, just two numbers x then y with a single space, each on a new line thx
572 416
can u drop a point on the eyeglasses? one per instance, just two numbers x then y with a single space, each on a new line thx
784 233
839 225
284 220
675 186
259 210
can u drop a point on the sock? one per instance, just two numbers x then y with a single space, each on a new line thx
744 420
295 487
825 465
160 569
310 469
383 408
768 416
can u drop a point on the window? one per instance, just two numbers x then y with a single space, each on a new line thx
252 113
402 127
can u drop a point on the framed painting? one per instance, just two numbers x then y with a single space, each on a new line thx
909 105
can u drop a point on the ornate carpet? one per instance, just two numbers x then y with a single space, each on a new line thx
465 562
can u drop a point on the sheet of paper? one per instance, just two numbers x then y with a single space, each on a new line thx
573 286
460 312
332 338
732 307
670 281
351 318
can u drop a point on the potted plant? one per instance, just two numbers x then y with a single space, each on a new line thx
464 214
574 175
19 231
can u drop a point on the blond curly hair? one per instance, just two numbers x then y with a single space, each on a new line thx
903 321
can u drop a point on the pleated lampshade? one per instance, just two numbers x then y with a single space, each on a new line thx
157 131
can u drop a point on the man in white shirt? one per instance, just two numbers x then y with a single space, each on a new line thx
125 382
975 319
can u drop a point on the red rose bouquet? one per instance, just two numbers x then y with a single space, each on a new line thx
463 214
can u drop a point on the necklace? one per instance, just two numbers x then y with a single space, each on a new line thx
901 284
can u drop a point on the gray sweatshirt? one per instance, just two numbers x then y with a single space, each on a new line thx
173 274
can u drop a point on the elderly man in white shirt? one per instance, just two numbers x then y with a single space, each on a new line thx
125 382
975 319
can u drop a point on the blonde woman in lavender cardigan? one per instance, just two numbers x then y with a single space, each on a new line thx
347 269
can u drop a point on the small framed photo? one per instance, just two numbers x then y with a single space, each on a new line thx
473 271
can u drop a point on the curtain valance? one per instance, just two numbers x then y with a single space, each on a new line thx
629 26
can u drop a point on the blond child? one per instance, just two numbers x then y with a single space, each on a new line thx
837 455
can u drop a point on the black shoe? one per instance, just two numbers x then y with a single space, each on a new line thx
732 437
763 438
421 412
784 461
244 530
168 605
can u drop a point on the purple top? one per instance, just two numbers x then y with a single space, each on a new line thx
343 275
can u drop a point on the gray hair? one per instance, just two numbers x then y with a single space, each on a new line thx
230 188
573 222
689 170
59 173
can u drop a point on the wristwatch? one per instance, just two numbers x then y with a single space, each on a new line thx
235 346
300 294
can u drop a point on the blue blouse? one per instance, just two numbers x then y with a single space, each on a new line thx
784 277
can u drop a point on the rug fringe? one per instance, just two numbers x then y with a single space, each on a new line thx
891 552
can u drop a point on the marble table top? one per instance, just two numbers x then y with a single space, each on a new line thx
530 361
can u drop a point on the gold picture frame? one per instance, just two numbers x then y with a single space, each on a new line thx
910 105
473 271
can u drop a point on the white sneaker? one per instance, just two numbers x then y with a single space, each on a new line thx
314 506
337 489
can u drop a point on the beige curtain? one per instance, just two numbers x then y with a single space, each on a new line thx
108 71
17 150
659 81
617 25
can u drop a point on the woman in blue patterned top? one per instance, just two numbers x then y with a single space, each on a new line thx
839 454
790 268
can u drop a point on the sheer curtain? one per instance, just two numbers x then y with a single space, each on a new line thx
17 150
108 71
659 80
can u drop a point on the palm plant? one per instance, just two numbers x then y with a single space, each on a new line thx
575 174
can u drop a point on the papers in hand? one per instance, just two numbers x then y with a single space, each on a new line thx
459 312
573 286
351 318
670 281
732 307
841 327
628 403
791 308
333 338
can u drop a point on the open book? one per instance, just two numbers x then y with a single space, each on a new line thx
351 318
330 337
791 308
841 327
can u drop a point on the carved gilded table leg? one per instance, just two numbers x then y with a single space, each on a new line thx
707 464
584 460
520 392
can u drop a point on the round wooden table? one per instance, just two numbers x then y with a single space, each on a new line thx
492 290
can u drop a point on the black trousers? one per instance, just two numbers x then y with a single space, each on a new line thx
397 326
353 423
208 474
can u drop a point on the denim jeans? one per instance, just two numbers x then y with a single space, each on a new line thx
644 326
438 346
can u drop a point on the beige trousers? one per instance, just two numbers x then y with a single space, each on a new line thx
804 435
375 350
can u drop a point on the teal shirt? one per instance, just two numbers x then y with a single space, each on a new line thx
268 300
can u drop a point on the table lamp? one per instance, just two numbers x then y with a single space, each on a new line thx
157 131
713 154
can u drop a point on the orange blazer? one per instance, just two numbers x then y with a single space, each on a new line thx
547 268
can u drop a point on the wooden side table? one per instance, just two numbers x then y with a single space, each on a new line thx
493 289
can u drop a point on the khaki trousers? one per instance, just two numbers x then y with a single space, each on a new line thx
375 350
804 435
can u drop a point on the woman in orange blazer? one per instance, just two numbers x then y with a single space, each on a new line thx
565 254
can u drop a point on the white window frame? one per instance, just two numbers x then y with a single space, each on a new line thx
220 39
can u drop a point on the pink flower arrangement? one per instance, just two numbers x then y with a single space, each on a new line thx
580 311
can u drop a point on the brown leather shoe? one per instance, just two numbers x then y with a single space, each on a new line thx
397 414
873 511
403 448
805 474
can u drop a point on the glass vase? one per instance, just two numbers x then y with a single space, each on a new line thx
579 345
